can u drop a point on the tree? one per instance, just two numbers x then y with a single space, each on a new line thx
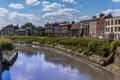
28 25
39 28
49 34
81 32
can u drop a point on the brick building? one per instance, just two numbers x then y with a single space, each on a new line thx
20 32
74 30
92 28
49 27
97 27
9 30
65 29
84 24
56 29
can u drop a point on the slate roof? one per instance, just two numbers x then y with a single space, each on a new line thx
75 26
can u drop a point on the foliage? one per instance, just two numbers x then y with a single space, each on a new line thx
6 44
82 32
113 46
89 46
39 28
93 45
28 25
48 34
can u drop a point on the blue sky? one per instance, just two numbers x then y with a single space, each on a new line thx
40 12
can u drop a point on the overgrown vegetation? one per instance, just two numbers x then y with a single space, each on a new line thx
6 44
89 46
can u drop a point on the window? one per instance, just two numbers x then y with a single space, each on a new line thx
108 29
108 23
118 28
119 21
115 28
111 29
116 22
111 22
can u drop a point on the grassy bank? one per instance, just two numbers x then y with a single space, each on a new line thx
6 44
89 46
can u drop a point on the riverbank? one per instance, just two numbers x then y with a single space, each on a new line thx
102 53
91 60
9 57
8 53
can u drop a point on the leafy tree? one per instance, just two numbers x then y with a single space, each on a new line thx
28 25
81 32
39 28
49 34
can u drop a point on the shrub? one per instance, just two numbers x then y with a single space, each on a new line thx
86 52
87 45
93 46
6 44
113 45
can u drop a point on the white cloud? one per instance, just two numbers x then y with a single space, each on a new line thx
71 1
3 11
45 2
116 0
22 17
84 17
50 7
60 13
32 2
16 6
115 12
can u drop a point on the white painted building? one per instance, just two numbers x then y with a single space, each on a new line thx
112 28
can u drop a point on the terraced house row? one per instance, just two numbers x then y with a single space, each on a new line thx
15 30
104 26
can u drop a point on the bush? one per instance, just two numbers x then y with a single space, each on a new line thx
86 52
88 46
113 45
93 46
6 44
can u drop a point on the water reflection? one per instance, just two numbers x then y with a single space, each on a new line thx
0 69
42 64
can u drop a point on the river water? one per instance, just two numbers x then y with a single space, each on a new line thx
43 63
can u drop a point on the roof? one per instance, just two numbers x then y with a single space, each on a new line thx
20 30
64 24
75 26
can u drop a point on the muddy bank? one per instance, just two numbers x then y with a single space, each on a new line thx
9 57
110 63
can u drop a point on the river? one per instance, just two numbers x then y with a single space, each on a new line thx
43 63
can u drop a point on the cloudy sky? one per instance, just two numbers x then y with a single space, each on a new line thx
42 11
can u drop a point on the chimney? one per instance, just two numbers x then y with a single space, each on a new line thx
101 15
94 17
